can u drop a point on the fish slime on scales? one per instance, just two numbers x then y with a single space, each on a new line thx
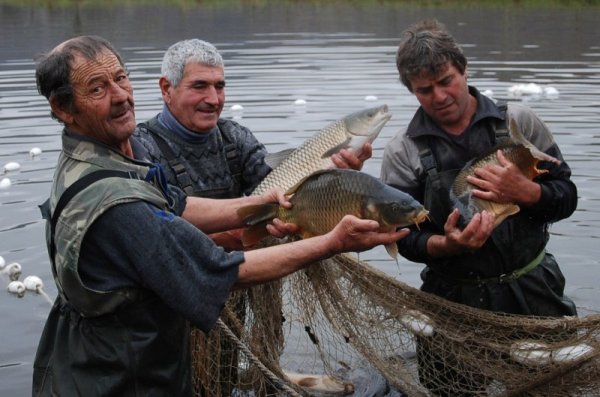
321 200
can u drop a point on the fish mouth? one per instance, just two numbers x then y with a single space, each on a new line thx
419 217
381 117
416 218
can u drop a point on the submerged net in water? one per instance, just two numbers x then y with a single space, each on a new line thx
341 316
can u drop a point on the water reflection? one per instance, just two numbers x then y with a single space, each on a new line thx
331 56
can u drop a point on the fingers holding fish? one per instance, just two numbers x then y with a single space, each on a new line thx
504 183
277 195
278 228
478 230
354 234
457 241
348 159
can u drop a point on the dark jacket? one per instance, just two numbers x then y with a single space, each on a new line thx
513 244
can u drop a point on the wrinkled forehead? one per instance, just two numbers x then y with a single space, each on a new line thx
84 70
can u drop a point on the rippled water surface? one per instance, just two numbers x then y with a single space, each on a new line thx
335 57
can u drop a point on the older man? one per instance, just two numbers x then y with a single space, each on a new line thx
203 154
129 261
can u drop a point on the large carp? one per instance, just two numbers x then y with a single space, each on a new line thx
321 200
350 132
518 151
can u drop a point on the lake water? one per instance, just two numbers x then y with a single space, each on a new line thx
334 55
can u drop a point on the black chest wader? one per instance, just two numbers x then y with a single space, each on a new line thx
439 370
101 355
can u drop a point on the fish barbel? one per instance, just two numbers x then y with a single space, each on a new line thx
518 151
320 201
350 132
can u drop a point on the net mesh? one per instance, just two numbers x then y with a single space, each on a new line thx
341 315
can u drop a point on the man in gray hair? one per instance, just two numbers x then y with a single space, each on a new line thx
200 152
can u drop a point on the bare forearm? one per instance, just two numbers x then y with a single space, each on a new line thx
212 216
268 264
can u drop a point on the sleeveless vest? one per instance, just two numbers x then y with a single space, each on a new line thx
126 342
81 158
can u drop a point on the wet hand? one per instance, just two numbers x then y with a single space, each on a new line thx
347 159
280 229
504 183
352 234
277 195
472 237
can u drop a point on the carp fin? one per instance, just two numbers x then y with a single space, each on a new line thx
501 211
254 214
275 159
392 250
256 217
336 148
517 137
315 174
254 234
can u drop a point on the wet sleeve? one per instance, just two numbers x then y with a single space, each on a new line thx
559 193
139 245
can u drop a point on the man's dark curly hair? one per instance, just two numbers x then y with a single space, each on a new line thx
426 47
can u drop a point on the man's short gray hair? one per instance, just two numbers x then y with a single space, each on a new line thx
188 51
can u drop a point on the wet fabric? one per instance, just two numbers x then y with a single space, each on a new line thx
172 274
513 244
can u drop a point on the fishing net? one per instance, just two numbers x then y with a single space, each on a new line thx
341 325
342 316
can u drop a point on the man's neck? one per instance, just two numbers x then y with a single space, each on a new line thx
461 125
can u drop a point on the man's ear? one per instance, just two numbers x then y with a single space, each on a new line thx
61 113
165 84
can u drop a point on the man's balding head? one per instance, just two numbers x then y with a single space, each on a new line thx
53 69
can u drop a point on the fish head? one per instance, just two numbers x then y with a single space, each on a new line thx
396 209
365 125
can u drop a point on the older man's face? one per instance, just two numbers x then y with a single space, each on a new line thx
103 101
198 100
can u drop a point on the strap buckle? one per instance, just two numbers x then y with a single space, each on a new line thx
507 277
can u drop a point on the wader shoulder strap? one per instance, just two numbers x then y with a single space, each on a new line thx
232 154
71 192
183 179
428 161
500 128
